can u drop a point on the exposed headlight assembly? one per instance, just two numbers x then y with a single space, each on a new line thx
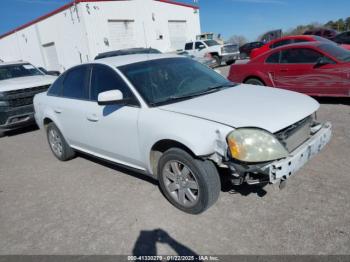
254 145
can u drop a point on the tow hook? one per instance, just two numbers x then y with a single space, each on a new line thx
283 183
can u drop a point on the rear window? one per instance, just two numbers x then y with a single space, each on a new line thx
337 52
189 46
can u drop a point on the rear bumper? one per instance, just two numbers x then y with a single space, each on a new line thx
16 117
282 169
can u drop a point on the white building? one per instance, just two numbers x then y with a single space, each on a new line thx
80 30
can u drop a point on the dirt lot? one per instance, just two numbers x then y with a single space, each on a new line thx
86 206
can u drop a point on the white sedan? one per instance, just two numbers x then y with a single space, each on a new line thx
180 122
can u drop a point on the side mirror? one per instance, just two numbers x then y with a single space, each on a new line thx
111 97
200 47
322 61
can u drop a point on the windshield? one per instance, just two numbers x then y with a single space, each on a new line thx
325 40
337 52
169 80
18 70
211 42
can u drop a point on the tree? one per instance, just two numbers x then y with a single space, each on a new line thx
347 23
239 39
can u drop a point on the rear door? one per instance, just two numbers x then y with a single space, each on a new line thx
112 129
69 106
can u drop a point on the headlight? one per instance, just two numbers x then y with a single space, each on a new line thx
254 145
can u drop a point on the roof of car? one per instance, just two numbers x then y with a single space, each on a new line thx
131 59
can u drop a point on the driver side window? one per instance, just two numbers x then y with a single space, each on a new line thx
105 79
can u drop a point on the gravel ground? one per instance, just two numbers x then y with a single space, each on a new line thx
85 206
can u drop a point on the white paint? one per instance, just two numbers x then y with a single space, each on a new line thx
82 31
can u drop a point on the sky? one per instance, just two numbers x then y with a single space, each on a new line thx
249 18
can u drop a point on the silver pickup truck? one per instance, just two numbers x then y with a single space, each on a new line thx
19 82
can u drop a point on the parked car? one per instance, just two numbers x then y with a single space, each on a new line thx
207 59
178 121
342 38
128 51
247 48
313 68
227 53
51 73
323 32
19 82
286 41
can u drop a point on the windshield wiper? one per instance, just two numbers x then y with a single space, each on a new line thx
209 90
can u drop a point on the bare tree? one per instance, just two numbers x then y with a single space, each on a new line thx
239 39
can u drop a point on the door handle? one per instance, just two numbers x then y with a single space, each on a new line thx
284 70
58 110
92 118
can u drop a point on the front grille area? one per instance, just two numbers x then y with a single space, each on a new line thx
293 136
22 97
230 49
19 103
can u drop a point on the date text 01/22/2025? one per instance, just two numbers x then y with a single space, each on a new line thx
173 258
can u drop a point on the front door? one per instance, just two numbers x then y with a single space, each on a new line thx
112 129
298 71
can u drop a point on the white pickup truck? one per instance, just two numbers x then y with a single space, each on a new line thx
227 53
19 82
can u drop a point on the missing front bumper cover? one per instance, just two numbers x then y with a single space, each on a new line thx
281 170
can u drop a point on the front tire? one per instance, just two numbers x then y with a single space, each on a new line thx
217 60
254 81
190 184
58 144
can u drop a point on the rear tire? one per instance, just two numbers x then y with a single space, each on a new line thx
230 62
2 134
217 60
58 144
189 184
254 81
243 56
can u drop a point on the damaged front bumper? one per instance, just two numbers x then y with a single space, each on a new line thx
281 170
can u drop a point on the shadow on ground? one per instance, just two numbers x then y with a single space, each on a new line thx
119 168
333 100
21 131
146 244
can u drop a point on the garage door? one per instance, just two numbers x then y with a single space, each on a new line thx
51 56
178 34
121 33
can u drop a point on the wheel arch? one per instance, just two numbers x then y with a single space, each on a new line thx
161 146
254 77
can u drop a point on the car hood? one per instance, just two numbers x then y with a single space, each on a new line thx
268 108
26 82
